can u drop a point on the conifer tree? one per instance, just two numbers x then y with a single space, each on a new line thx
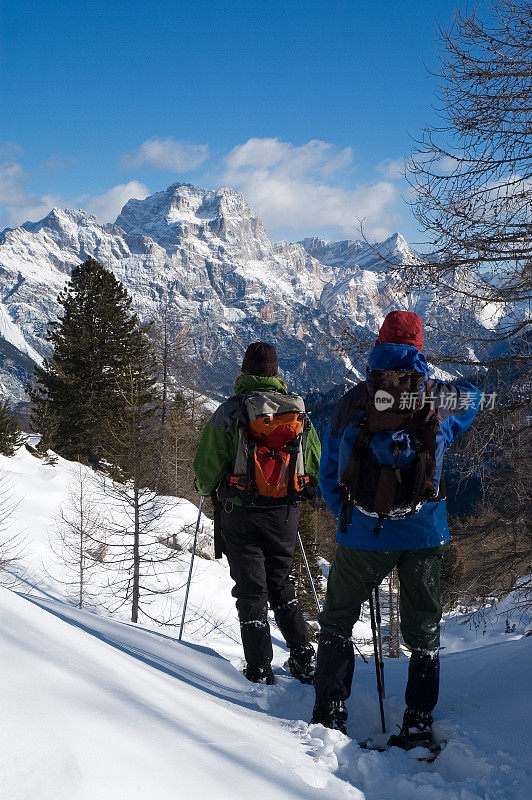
10 436
97 342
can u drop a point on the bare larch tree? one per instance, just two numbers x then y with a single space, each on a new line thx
472 178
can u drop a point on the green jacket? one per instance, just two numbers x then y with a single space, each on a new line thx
216 451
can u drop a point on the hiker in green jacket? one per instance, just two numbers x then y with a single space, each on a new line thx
257 456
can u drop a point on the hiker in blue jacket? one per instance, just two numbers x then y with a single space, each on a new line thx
381 475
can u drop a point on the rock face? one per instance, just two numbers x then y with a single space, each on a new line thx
206 255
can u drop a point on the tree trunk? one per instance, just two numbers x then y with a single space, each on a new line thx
136 553
81 547
81 571
390 616
165 373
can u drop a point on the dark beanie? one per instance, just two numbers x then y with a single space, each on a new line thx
260 359
402 327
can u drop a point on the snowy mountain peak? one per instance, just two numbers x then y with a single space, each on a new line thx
314 243
207 253
353 253
183 210
60 219
182 201
395 245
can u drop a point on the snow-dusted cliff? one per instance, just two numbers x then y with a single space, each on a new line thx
207 254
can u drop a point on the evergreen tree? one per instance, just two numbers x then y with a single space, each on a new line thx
10 436
98 344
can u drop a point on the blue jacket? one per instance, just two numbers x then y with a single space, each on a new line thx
457 404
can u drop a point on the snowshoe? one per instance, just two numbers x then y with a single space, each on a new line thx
302 663
331 715
259 674
416 731
434 749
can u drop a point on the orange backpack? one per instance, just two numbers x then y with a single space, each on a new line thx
270 461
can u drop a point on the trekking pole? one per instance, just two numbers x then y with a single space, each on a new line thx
309 573
190 570
359 651
316 600
377 667
379 637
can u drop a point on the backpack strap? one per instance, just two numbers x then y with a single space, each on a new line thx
346 514
217 519
250 474
424 425
349 478
421 473
293 451
356 408
304 435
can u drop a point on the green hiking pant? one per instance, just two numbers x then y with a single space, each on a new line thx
354 573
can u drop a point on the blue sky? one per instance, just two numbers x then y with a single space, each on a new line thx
308 107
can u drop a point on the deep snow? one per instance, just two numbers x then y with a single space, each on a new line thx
95 707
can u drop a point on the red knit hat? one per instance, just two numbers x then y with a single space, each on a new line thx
402 327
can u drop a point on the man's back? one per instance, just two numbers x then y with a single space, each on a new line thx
456 405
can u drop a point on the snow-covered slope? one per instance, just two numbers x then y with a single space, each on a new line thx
95 707
36 495
206 254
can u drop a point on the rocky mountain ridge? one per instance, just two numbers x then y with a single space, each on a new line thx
205 255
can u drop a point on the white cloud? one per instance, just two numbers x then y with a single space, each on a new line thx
20 205
434 161
166 154
11 177
107 206
296 190
447 165
316 156
392 168
292 188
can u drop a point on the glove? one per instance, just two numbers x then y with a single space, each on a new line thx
313 496
318 502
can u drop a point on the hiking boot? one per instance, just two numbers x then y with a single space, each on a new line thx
416 730
302 663
259 674
331 715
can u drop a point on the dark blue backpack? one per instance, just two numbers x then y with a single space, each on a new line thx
393 466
